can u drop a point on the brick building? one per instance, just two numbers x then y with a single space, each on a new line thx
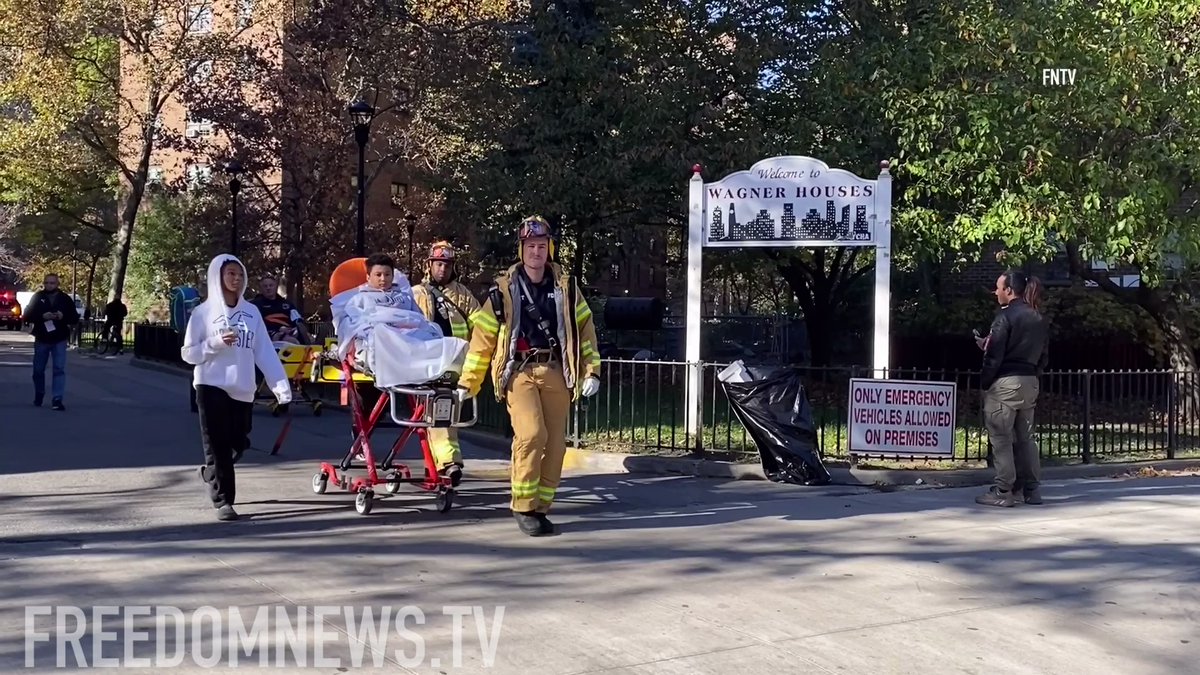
198 147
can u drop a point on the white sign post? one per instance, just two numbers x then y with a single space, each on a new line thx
786 202
901 418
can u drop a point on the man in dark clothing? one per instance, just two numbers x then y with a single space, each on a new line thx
114 322
1015 354
283 319
53 316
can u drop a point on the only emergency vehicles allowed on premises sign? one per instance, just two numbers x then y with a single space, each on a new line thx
899 417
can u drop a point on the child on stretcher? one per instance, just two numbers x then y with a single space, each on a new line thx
392 338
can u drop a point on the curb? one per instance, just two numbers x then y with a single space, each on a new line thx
615 462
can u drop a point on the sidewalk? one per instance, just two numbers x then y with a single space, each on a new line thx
579 459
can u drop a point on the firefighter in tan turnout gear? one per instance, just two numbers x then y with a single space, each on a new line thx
449 304
536 334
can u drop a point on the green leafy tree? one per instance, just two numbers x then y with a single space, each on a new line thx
593 115
1101 167
86 82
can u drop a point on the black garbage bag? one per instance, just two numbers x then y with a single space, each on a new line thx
774 409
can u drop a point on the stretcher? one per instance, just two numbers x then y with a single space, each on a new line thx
298 364
429 404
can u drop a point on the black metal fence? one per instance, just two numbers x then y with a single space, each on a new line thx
1086 416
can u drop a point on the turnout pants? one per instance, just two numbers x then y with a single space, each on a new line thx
1008 407
538 405
224 426
443 443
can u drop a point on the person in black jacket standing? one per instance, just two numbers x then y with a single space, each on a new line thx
1015 354
53 315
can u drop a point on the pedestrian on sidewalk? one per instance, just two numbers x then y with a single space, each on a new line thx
545 358
225 340
53 316
1015 354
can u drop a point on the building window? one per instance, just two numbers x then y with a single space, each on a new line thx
245 12
200 16
245 67
199 71
198 175
614 272
154 175
399 193
198 127
156 128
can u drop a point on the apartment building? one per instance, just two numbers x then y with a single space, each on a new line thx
241 41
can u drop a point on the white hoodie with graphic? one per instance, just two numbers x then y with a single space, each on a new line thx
231 367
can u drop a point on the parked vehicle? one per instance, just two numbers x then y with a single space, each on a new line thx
10 311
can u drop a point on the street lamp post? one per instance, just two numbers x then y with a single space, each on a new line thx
234 169
410 222
361 113
75 278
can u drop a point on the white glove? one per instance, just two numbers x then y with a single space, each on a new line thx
591 386
283 396
462 394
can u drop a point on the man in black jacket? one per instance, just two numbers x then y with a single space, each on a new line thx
1015 354
52 314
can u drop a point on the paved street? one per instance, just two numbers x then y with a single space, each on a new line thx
103 506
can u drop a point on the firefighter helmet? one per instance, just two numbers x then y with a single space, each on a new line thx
534 227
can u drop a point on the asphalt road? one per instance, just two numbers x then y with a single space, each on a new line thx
103 508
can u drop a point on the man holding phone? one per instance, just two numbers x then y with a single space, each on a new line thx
53 316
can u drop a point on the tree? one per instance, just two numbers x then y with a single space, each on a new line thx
284 105
10 260
90 80
595 113
1101 166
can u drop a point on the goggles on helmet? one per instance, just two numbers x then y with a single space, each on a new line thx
442 253
534 227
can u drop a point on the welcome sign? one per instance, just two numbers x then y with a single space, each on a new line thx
790 200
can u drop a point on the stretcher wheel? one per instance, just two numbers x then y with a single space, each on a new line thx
319 482
363 502
444 499
317 409
392 486
274 410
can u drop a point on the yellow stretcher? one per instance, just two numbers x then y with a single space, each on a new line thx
300 364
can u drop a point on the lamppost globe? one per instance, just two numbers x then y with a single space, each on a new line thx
361 113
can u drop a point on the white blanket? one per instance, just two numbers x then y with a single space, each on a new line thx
394 342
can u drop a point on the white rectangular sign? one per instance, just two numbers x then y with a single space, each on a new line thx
899 417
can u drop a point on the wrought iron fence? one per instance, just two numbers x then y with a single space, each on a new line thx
1081 415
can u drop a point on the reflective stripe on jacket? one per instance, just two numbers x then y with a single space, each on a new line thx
458 294
494 345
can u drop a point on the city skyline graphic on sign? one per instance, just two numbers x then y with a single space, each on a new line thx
727 225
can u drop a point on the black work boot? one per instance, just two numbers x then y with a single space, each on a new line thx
1033 496
38 398
454 473
547 526
226 513
57 404
994 497
529 523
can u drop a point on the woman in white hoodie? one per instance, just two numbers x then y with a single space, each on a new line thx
225 340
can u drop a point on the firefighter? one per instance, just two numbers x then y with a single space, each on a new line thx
449 304
536 333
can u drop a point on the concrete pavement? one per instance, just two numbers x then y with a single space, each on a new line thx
103 506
